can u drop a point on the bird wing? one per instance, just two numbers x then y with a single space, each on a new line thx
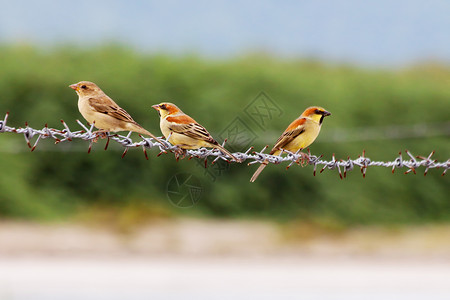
109 107
186 125
294 130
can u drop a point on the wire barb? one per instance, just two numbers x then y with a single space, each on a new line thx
300 158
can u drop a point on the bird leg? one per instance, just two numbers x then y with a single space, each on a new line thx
101 133
179 152
303 160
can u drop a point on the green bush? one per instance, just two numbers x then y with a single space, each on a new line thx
50 183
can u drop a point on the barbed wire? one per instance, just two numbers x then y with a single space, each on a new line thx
342 166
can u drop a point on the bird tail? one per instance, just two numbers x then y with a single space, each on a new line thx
259 170
221 148
139 129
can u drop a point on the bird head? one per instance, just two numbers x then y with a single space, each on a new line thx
316 113
86 88
166 109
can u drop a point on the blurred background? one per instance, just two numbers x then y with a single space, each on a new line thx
97 226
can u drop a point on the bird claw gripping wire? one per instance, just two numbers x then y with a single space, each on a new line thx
301 158
254 157
179 152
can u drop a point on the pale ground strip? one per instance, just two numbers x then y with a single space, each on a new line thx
206 259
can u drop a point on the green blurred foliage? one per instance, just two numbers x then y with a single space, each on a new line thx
60 181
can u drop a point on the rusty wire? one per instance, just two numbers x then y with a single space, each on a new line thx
342 166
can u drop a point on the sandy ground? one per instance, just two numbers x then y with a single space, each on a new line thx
206 259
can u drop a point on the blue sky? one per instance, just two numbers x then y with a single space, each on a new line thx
383 32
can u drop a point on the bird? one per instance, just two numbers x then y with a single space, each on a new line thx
99 109
298 135
183 131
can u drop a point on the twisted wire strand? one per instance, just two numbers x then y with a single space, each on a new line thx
342 166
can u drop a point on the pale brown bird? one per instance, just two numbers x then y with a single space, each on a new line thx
300 134
183 131
99 109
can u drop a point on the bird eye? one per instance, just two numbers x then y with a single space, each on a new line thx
163 106
83 86
318 112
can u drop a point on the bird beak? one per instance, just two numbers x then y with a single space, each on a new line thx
156 106
74 86
326 113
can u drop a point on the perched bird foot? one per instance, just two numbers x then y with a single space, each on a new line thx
101 134
303 160
179 152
